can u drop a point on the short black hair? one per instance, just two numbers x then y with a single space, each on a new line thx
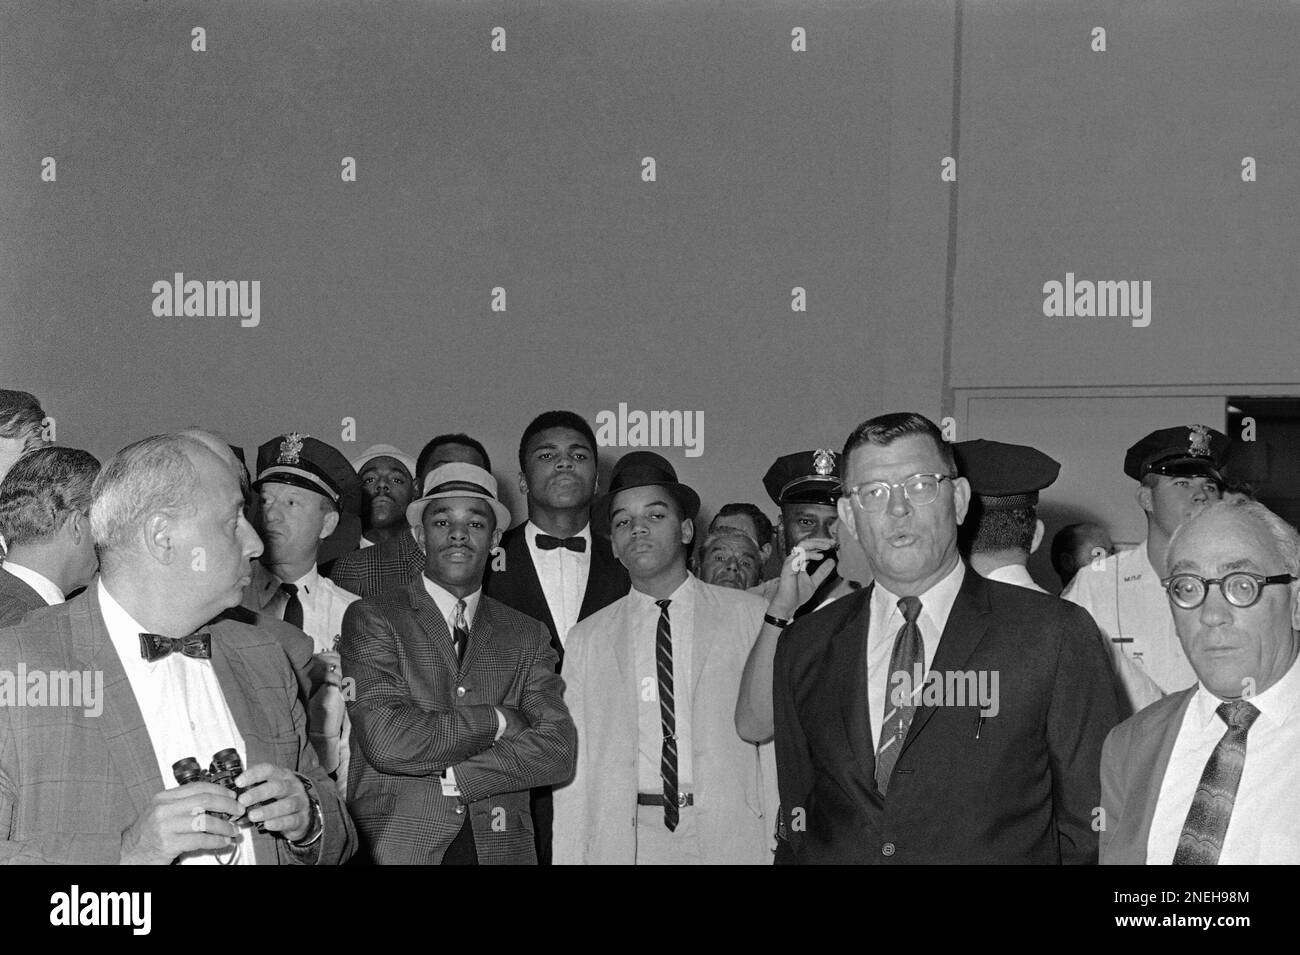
42 487
762 523
992 531
426 453
1064 545
554 419
885 429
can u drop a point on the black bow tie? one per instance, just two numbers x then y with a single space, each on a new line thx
155 647
547 542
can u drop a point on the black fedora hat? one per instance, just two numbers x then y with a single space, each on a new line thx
647 469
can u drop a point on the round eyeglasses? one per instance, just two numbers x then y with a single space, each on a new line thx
919 489
1241 589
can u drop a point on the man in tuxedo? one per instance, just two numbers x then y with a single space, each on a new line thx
91 781
662 777
457 710
935 717
393 563
1208 775
556 569
45 517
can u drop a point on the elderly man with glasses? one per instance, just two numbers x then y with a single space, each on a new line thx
935 716
1208 775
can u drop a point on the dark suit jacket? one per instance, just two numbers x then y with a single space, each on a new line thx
72 782
417 711
518 586
1021 791
371 571
16 599
1133 764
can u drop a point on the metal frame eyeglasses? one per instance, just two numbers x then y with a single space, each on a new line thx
919 489
1240 588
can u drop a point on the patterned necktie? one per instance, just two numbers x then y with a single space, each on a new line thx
460 631
668 753
547 542
908 654
1211 811
293 609
197 646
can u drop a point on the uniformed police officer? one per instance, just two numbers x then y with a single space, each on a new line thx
300 481
1179 471
1002 527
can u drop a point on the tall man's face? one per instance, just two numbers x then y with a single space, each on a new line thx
213 543
457 535
647 531
908 546
1235 651
387 488
559 470
293 521
1172 500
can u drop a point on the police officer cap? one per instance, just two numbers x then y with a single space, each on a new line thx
805 477
1191 451
1004 475
303 461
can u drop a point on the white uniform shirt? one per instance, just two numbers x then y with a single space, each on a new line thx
1265 825
1130 607
563 575
45 588
184 711
887 620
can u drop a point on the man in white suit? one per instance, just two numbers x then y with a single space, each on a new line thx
651 683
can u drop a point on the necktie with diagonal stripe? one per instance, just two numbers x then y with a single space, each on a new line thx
460 631
1203 833
668 753
907 655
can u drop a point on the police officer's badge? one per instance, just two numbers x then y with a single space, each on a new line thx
1198 441
824 462
290 448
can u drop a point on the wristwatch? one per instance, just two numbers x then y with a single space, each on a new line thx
317 827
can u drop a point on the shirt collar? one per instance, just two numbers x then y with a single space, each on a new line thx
123 629
683 592
47 589
1276 705
446 601
307 581
936 603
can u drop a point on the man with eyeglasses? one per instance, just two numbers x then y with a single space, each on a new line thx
1179 471
1208 776
889 749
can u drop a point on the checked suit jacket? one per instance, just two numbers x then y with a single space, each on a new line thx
416 711
371 571
72 782
17 599
1019 786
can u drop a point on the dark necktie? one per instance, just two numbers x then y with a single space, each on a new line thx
908 655
460 631
197 646
293 609
547 542
668 753
1211 810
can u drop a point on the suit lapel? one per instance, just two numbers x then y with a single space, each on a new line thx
968 621
1162 748
239 690
432 624
480 631
519 559
847 663
606 580
130 747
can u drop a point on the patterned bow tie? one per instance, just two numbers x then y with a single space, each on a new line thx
547 542
154 646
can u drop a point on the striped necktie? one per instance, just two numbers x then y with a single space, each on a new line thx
460 631
668 753
1203 833
907 655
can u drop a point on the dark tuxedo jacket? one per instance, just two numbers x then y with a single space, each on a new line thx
16 599
518 585
1020 786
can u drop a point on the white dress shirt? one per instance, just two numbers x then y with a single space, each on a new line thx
47 589
887 620
1130 607
184 711
563 575
446 602
1014 574
644 614
1265 825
